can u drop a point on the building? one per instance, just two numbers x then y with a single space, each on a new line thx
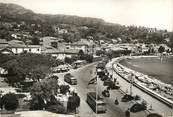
3 43
49 41
60 54
17 47
6 51
87 46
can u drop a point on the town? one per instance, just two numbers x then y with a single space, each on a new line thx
70 65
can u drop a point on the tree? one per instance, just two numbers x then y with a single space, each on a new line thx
100 52
81 54
42 92
170 44
64 89
9 101
73 102
5 58
35 41
58 108
34 66
161 49
37 103
88 58
39 72
68 60
44 89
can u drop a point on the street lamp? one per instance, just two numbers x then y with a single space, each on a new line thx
112 70
131 83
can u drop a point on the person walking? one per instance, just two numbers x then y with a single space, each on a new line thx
116 101
127 113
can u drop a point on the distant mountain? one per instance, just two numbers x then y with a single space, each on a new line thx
13 11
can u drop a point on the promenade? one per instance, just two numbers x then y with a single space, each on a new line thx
157 106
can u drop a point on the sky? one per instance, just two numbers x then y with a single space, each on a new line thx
148 13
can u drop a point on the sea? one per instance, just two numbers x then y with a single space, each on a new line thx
153 67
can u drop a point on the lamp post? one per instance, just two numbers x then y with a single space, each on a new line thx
131 83
112 70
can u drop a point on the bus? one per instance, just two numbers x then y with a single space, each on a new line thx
96 103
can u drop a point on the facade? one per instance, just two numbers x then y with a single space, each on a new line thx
26 48
49 41
87 46
6 51
3 43
60 54
17 47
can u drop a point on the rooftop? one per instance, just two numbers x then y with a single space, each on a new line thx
3 41
56 51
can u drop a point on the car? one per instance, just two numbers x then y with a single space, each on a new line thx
107 82
70 79
106 93
64 70
101 65
138 107
104 77
54 77
127 98
100 73
113 86
137 97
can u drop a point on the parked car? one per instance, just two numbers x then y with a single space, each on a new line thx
100 73
106 93
65 69
127 98
113 86
137 97
138 107
104 77
54 77
107 82
70 79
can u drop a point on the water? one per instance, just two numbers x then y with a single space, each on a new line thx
152 67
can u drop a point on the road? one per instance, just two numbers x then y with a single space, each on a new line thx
83 75
86 73
158 107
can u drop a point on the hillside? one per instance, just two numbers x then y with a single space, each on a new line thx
77 27
13 11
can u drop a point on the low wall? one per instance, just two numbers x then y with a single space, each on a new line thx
144 89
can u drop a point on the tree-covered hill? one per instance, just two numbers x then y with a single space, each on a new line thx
77 27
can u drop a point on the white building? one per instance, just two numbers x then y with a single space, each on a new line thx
17 49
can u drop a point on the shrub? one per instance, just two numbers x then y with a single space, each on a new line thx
58 108
64 89
73 102
9 101
37 103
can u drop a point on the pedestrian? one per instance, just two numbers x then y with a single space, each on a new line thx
115 79
108 88
116 101
127 113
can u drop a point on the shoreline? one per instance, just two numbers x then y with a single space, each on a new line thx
140 86
152 67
